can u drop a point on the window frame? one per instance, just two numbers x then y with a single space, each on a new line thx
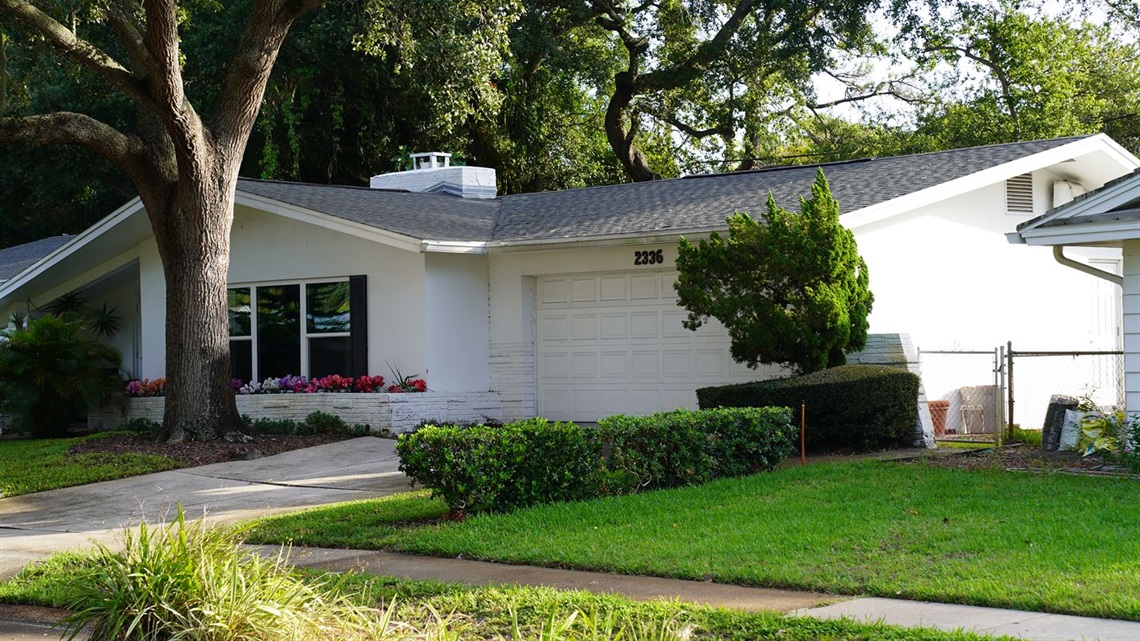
304 334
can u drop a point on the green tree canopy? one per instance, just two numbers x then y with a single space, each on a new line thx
790 288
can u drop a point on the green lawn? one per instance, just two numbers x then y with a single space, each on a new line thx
491 612
28 466
1049 542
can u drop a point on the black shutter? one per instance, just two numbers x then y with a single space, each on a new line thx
358 324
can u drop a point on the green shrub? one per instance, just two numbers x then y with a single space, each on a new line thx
684 447
493 469
52 370
315 423
142 427
197 583
854 407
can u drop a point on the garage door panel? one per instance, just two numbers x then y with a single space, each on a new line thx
672 324
644 364
710 362
554 365
587 404
644 325
614 288
554 327
584 290
553 291
614 326
584 365
677 363
644 286
615 365
556 402
584 327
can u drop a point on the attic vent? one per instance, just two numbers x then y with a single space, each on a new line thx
1019 194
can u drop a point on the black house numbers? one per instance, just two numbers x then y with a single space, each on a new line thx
650 257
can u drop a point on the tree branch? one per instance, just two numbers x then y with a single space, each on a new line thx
76 48
707 53
68 128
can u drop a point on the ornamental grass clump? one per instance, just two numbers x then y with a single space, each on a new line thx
187 581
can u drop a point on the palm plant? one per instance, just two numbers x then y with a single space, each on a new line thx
50 369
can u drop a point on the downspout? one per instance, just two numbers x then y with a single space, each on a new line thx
1059 254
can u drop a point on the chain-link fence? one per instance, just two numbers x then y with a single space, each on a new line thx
1034 377
965 392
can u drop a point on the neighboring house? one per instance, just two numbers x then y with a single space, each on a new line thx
562 302
1107 217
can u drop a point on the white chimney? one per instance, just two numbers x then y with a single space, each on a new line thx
432 173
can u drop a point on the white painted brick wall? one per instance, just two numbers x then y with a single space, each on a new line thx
396 412
513 377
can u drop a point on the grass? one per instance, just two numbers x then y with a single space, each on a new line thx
495 612
36 465
965 445
1055 543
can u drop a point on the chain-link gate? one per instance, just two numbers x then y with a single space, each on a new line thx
965 391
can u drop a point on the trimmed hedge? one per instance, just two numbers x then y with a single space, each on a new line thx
495 469
685 447
849 408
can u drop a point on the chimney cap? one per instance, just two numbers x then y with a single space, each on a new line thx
430 160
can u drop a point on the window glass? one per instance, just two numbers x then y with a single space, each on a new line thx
241 360
329 355
327 307
278 330
237 300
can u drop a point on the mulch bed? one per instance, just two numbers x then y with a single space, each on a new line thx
1026 458
193 453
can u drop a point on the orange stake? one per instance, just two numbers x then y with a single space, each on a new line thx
803 452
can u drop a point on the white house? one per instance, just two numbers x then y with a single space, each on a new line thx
1107 217
561 303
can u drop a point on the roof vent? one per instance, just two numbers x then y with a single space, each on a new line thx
1019 194
430 160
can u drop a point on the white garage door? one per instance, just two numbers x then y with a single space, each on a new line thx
614 344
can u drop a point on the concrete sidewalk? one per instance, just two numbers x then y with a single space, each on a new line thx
35 526
991 621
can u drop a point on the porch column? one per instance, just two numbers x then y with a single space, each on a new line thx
1132 325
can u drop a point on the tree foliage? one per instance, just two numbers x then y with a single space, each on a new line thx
790 288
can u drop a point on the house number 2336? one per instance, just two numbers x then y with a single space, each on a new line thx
651 257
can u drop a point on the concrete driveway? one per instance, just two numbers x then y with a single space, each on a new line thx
36 525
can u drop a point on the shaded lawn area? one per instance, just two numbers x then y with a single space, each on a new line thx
493 612
36 465
1047 542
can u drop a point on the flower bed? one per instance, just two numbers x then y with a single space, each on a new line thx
291 384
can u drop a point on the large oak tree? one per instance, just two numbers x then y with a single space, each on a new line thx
182 162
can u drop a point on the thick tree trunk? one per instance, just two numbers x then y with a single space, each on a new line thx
193 236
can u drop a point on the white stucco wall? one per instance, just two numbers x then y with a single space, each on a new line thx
458 346
266 248
1132 324
946 275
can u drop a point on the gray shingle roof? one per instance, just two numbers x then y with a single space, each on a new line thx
703 202
690 203
423 216
14 260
